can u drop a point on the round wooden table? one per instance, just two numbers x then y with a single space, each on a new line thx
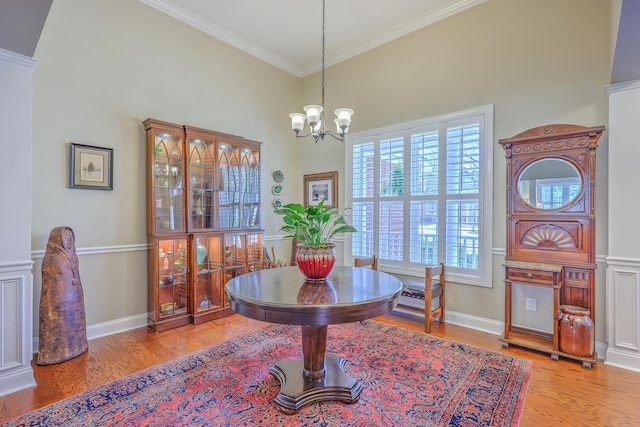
281 295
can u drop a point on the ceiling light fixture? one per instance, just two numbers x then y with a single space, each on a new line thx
315 113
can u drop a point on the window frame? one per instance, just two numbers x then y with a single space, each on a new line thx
484 275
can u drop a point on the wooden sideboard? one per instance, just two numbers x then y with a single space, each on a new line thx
551 176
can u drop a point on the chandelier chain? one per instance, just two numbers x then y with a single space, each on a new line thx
323 20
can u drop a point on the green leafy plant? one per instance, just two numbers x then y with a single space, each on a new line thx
313 225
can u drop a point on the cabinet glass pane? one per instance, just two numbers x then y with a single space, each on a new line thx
229 186
235 255
201 183
168 182
172 277
250 188
255 252
208 291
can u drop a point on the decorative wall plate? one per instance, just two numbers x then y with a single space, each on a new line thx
277 203
277 189
278 176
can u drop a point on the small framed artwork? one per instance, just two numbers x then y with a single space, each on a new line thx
321 186
90 167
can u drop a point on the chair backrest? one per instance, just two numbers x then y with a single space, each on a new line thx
366 261
434 271
294 251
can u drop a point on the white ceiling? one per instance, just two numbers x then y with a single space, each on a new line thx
288 33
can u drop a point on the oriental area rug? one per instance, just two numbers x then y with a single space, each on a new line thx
409 379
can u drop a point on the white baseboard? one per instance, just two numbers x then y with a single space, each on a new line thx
472 322
16 381
115 326
108 328
622 360
497 328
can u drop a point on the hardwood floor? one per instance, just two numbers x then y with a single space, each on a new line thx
561 393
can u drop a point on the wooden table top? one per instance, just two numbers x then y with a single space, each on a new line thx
281 295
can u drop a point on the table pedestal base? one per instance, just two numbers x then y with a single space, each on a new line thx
298 389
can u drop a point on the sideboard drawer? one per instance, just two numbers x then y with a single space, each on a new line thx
531 276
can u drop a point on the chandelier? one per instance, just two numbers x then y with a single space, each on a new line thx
315 113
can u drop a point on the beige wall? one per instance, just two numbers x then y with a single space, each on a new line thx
106 66
537 61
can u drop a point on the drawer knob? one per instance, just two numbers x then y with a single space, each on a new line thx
529 276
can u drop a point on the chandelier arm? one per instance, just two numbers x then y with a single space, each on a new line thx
320 135
299 135
337 136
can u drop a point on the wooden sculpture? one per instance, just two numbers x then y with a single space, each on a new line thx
63 328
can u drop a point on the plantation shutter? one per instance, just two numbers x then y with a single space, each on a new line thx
462 193
364 240
421 194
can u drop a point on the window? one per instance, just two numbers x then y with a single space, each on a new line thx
421 193
556 193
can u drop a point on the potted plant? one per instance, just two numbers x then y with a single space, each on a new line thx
313 227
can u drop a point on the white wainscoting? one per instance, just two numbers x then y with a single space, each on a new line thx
623 308
16 319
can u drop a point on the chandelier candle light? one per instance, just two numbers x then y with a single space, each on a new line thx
315 113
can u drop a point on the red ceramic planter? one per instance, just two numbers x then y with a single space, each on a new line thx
316 262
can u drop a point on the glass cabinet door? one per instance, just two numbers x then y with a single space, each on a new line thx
255 251
208 285
202 181
235 255
172 277
167 181
229 186
250 187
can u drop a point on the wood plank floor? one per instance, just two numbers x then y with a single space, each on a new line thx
561 393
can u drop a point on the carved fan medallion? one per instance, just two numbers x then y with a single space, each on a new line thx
548 237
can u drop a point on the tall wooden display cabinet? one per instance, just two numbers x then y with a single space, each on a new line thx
203 220
551 175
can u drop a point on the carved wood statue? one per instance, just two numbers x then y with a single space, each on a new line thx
63 327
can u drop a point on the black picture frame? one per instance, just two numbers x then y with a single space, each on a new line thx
90 167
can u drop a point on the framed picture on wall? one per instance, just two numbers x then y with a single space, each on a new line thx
90 167
321 186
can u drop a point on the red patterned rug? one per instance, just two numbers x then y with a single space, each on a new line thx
409 379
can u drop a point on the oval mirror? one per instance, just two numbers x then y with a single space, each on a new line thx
549 184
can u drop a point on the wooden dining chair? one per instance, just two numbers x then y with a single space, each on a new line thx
433 289
366 261
294 251
434 285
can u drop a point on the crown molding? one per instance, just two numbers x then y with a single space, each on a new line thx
368 44
393 33
223 35
623 86
16 58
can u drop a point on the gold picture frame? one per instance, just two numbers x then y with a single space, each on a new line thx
90 167
321 186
